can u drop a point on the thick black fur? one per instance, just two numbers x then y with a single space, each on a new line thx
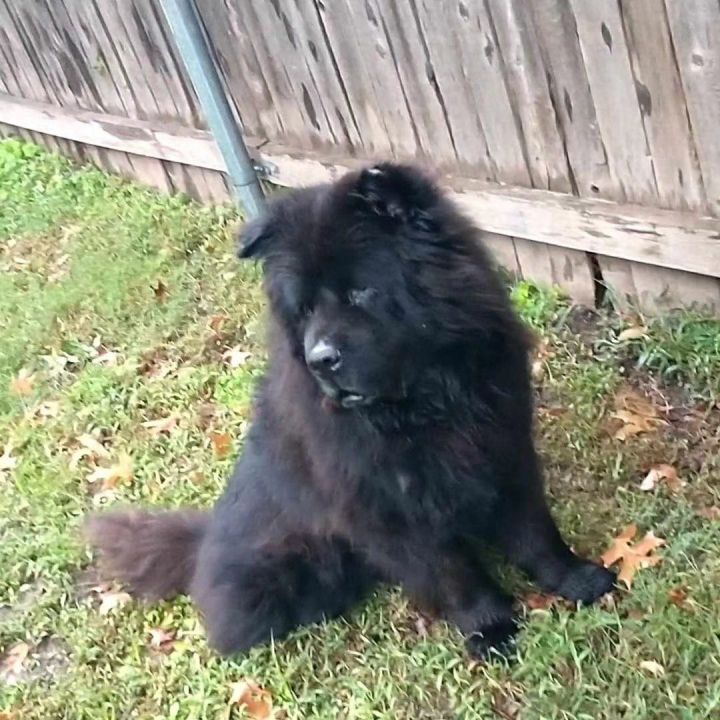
397 460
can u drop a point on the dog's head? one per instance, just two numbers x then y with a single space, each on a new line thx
373 279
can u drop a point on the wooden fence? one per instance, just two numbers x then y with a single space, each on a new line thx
581 134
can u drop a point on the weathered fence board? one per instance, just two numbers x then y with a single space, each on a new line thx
659 237
573 129
695 26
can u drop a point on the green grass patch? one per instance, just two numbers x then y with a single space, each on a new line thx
122 305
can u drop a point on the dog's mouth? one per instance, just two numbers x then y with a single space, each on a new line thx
350 400
335 397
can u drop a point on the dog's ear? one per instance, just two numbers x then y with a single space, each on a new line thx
399 192
254 237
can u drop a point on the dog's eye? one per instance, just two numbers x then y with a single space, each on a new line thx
362 296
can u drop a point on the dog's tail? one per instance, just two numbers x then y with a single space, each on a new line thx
153 553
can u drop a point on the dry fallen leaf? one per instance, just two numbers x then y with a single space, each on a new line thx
8 715
111 477
678 596
636 413
712 512
256 701
12 662
216 323
57 363
222 444
22 384
236 357
632 557
652 667
110 597
156 365
163 425
633 332
93 446
160 291
657 474
540 601
162 640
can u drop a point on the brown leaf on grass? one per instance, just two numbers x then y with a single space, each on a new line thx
634 332
712 512
110 597
155 364
660 473
632 557
162 425
540 601
221 443
678 596
255 700
13 661
162 640
22 384
160 290
652 667
620 543
8 715
216 323
111 477
636 414
94 447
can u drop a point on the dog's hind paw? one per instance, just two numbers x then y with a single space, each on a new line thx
497 639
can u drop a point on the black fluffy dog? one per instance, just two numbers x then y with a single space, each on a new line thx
392 438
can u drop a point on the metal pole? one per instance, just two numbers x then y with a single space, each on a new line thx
186 26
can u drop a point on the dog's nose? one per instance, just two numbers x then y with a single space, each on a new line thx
323 357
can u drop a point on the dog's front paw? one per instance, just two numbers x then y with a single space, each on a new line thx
586 582
495 639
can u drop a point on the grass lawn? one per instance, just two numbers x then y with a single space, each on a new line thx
130 341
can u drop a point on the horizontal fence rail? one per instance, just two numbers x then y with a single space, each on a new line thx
581 135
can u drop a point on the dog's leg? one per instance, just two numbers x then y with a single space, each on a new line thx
449 581
248 599
526 532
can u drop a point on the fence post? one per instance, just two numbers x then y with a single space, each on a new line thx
187 29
